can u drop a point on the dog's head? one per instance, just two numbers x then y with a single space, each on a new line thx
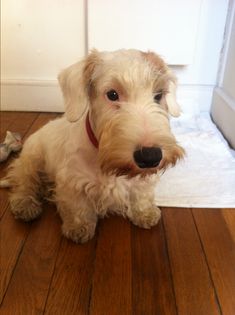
130 95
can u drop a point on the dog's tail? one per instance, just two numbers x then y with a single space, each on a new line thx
5 183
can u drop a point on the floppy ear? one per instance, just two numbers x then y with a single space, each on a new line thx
170 98
172 105
75 82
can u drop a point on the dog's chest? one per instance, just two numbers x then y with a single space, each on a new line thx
106 191
116 192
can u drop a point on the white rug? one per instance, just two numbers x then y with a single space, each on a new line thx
206 178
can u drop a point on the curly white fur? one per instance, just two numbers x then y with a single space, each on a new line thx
88 181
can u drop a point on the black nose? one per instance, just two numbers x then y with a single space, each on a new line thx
148 157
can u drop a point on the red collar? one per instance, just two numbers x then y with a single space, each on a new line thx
90 133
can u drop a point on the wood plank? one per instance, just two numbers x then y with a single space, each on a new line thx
220 251
28 289
20 122
13 235
71 283
12 244
111 291
6 119
152 287
193 287
229 217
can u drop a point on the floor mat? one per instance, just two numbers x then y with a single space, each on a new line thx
206 177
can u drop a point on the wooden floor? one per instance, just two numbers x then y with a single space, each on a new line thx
185 265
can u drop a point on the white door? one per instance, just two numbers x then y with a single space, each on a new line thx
223 104
167 27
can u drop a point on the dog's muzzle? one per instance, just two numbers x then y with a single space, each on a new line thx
148 157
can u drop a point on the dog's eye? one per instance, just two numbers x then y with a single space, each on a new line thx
158 97
112 95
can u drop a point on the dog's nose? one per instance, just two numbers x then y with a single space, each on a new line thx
148 157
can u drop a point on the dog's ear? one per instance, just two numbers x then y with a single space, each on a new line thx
75 82
171 103
170 98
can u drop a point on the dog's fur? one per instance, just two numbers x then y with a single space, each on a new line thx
88 181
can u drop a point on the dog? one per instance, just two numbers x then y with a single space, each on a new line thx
107 151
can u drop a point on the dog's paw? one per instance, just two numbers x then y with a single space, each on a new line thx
79 233
26 209
146 218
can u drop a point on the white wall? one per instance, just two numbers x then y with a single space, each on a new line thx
39 38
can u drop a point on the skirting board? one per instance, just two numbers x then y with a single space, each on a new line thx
31 95
45 96
223 114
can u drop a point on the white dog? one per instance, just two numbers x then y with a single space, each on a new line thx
105 153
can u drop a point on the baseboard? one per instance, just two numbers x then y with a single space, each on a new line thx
223 114
31 95
45 95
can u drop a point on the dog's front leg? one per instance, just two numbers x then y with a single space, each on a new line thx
143 211
79 218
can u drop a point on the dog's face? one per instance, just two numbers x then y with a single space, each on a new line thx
129 95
